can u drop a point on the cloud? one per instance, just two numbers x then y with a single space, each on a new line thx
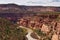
33 2
39 1
45 2
55 0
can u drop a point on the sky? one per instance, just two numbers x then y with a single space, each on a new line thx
33 2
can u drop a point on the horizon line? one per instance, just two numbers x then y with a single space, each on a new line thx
30 5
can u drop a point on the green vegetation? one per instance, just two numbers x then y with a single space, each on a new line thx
43 13
9 31
58 18
43 35
48 13
39 32
47 38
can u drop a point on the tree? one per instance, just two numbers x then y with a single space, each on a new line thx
9 31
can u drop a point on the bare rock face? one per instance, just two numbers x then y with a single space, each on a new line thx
45 28
55 37
58 27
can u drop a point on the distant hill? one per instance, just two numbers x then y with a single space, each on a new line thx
13 8
13 12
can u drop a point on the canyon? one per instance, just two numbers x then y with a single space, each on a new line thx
44 18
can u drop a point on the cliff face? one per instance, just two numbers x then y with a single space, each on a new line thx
13 8
14 12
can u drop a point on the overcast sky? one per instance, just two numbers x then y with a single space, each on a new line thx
33 2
